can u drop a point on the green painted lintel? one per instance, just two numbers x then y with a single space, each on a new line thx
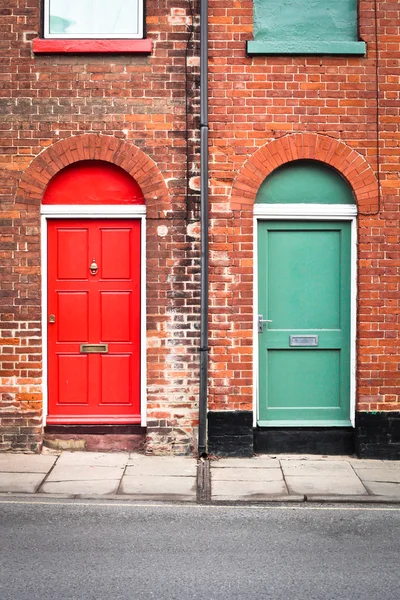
306 47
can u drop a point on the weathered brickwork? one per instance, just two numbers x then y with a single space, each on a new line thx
139 112
265 111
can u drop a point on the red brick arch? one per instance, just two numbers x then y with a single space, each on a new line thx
94 147
338 155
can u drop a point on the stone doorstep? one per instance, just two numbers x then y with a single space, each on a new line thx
94 442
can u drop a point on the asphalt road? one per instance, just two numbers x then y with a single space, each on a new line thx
62 550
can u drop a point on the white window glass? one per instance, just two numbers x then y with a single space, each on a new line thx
93 18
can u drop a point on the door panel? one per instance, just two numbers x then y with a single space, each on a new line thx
306 276
115 242
304 288
73 316
72 389
115 378
92 309
311 375
115 316
73 260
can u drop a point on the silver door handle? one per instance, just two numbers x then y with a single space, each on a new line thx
260 322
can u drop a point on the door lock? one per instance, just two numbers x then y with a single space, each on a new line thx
52 318
260 322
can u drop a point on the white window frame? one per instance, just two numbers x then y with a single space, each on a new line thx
103 36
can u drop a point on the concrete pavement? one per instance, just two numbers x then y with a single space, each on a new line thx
311 478
262 478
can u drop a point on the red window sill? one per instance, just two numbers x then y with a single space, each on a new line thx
46 46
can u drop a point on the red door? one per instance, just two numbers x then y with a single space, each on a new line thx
94 321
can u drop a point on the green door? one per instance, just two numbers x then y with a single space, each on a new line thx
304 353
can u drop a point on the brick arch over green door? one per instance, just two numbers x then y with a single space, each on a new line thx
306 146
304 295
305 182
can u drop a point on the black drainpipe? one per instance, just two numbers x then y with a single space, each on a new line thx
202 447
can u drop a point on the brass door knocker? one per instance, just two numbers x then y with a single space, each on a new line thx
93 267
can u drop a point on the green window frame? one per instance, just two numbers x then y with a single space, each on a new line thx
306 27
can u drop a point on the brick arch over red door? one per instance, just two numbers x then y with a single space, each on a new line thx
344 159
95 147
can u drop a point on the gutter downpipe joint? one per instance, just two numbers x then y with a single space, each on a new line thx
203 383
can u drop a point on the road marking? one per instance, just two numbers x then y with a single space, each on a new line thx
132 504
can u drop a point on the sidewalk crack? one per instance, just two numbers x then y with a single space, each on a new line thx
38 491
359 478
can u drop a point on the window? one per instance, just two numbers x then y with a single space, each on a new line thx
93 26
305 27
93 19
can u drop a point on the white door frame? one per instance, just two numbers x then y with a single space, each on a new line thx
309 212
95 211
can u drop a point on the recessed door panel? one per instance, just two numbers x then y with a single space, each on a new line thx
115 253
115 378
73 383
72 253
116 316
94 321
307 296
73 316
304 352
314 376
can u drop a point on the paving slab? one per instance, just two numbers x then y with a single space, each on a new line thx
325 484
379 488
93 459
312 457
369 462
247 491
384 472
27 483
258 462
26 463
81 488
322 477
85 473
318 468
236 474
159 487
166 466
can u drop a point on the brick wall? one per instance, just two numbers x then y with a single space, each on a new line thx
147 102
351 101
347 105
